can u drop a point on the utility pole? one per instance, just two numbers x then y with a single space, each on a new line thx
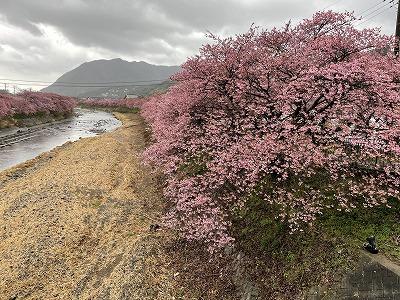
5 87
397 46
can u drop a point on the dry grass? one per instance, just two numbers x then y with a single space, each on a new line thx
75 223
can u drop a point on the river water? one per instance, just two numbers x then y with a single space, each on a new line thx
18 145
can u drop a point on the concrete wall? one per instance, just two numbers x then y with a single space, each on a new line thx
374 278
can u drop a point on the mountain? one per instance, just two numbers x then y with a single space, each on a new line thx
91 79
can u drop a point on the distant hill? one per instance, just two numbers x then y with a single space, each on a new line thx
116 70
120 92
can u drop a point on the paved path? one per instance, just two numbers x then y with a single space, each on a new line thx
375 278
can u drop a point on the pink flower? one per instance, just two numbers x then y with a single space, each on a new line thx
30 103
296 116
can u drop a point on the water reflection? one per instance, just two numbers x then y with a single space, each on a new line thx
19 145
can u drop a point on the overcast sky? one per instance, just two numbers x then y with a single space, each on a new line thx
42 39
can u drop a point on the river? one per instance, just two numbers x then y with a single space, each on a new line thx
18 145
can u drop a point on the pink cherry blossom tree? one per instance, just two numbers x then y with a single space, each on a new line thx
31 103
306 117
114 103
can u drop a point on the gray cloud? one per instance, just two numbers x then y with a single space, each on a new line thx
44 38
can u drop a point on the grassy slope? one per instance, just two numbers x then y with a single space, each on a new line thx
286 264
354 227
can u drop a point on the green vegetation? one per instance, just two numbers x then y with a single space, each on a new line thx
133 110
320 253
355 226
120 109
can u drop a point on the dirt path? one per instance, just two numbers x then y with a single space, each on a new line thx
74 223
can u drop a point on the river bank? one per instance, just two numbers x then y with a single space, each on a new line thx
78 223
23 143
29 121
75 222
32 108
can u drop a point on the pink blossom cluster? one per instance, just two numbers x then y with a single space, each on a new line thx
31 103
115 103
269 114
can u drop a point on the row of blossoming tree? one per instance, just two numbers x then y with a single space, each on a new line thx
32 103
127 104
273 114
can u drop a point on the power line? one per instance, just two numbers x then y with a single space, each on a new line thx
366 10
380 7
377 14
385 5
92 83
86 86
373 6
